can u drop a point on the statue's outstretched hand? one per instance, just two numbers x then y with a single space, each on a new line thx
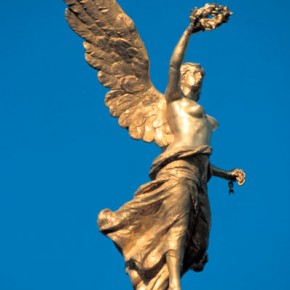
238 175
209 17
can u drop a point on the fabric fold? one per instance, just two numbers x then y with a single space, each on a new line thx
168 213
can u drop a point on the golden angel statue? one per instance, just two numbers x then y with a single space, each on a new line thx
163 231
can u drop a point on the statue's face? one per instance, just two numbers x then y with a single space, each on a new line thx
191 82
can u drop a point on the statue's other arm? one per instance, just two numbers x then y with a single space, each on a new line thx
173 88
233 175
215 171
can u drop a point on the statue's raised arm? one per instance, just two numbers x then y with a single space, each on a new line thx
207 18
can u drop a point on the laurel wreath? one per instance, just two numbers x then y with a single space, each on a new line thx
209 17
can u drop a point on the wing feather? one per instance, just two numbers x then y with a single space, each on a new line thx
114 48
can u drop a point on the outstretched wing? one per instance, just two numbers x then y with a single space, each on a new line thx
114 47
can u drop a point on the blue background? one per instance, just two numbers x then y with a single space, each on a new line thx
63 158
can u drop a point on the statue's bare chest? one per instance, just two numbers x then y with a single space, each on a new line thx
193 109
190 112
188 109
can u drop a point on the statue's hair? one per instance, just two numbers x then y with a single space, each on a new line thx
188 66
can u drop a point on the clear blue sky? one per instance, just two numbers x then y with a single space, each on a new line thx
63 158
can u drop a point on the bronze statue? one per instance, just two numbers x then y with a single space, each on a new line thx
163 231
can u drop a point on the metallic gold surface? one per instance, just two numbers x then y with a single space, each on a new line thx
163 231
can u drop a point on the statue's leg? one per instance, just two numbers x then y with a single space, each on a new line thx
179 209
173 263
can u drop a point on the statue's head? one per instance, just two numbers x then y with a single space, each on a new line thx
191 80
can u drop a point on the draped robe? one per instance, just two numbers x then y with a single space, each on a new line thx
169 213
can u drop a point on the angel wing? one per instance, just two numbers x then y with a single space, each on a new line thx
114 47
